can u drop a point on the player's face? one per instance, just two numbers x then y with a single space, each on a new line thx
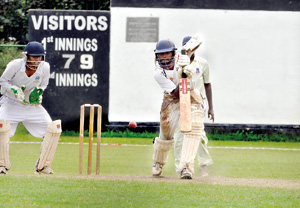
34 61
165 57
166 60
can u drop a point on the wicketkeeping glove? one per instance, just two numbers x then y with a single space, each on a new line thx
18 93
35 96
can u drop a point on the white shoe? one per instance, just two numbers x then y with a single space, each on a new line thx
45 170
3 170
157 169
203 171
186 174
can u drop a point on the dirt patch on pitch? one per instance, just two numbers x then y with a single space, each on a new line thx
272 183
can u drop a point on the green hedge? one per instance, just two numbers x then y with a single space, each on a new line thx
250 136
236 136
8 52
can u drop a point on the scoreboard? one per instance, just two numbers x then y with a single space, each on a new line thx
77 48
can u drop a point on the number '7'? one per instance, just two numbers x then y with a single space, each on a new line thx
70 57
86 61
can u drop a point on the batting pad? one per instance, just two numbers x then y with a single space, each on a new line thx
4 143
191 142
49 144
161 150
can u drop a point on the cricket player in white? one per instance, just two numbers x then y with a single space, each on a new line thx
167 74
22 85
202 86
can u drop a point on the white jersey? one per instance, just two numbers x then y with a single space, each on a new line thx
167 79
15 74
201 75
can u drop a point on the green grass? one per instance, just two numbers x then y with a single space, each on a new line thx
57 192
21 188
137 161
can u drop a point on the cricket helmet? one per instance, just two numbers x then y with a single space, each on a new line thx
186 39
164 46
34 49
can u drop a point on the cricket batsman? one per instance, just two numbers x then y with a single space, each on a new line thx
202 86
168 72
22 85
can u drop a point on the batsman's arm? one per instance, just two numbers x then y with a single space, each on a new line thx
175 92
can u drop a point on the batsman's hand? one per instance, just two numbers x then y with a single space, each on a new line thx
183 60
35 96
18 93
179 72
188 70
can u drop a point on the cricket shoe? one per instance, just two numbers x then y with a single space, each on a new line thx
203 171
186 174
157 169
3 170
45 170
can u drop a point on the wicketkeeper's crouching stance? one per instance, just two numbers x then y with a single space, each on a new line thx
168 74
22 85
48 147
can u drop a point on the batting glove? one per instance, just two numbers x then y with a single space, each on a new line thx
183 60
188 70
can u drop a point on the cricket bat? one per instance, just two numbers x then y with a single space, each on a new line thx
185 102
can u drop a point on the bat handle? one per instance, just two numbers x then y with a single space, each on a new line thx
183 52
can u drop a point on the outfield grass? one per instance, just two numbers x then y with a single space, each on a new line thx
28 191
21 188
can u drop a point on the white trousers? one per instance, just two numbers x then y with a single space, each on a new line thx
34 117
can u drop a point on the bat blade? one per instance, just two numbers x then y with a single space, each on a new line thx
185 105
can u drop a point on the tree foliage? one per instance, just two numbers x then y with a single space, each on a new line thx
14 14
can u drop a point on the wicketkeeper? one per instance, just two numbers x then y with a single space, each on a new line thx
22 85
167 73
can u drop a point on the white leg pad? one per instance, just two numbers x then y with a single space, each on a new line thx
49 144
4 143
191 142
161 150
188 152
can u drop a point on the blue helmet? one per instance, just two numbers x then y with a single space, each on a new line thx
164 46
34 49
186 39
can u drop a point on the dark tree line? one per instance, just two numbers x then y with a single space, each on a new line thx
14 14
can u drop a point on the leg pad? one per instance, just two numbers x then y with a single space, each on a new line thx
161 150
49 144
4 143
